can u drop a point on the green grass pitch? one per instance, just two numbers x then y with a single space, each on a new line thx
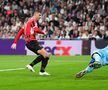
61 68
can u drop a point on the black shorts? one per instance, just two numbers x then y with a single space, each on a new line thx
34 46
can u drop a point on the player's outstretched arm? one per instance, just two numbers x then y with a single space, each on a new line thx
37 30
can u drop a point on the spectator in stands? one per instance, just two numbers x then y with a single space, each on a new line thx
71 14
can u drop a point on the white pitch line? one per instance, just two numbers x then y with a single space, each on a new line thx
16 69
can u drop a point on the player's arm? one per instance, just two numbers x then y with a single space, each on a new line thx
37 30
17 38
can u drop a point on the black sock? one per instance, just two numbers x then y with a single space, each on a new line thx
37 60
44 64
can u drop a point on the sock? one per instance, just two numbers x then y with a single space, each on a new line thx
97 57
37 60
44 64
89 69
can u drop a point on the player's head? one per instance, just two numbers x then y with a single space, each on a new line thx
37 15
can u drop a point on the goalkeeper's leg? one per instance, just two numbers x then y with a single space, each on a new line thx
94 64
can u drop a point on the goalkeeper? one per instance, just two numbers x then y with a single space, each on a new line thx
98 59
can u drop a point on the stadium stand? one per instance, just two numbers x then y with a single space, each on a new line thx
62 19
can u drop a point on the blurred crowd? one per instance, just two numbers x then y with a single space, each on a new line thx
61 19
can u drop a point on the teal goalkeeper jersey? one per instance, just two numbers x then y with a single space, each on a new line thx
104 55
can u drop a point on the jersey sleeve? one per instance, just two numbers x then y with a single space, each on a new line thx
37 30
21 31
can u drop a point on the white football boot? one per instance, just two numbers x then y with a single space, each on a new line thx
30 68
44 74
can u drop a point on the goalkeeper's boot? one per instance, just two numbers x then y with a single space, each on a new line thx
81 73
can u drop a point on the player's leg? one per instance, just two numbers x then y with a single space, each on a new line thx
44 56
34 62
44 63
86 70
34 46
94 64
97 60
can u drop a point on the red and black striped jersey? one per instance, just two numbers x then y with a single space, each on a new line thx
29 30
